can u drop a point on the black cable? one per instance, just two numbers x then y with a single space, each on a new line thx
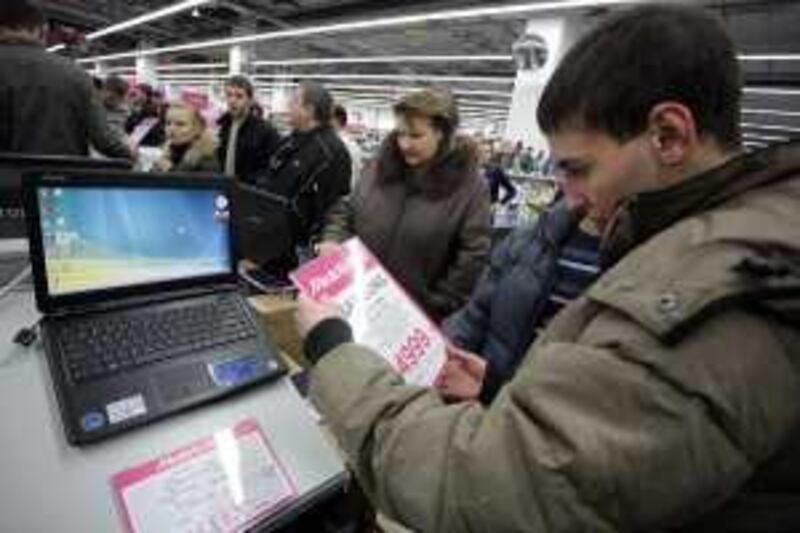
25 337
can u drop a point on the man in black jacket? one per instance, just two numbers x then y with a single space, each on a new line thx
311 168
246 142
47 104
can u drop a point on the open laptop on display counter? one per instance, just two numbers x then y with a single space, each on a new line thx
136 278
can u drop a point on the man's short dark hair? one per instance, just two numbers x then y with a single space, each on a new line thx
320 100
21 15
117 86
340 115
241 82
614 76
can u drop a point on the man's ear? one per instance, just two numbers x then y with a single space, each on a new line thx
672 133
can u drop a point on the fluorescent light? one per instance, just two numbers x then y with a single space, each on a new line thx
390 77
120 70
463 106
768 138
173 68
192 77
392 90
769 57
772 112
57 48
191 66
395 89
381 59
772 127
482 103
147 17
372 24
773 91
462 103
373 77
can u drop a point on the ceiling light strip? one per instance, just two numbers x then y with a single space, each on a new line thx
769 57
391 77
373 24
372 77
771 112
768 138
772 91
770 127
147 17
298 62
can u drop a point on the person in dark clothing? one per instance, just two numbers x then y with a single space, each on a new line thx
47 104
498 179
311 169
532 275
115 93
246 140
147 122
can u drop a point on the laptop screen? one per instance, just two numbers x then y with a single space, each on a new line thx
103 238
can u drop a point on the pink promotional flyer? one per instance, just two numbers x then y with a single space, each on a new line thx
383 317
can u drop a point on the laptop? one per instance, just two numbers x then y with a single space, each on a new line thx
263 223
263 226
135 276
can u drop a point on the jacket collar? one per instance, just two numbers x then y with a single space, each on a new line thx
456 166
227 119
649 213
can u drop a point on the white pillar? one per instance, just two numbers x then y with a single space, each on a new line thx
101 69
240 56
146 67
538 53
239 60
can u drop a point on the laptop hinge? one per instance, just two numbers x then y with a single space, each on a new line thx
138 301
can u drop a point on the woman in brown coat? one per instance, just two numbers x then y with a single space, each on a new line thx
425 211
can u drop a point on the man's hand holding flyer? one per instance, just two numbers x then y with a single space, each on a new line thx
383 317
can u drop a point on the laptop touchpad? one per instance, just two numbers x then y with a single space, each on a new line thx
181 382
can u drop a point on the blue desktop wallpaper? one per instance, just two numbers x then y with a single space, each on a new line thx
106 238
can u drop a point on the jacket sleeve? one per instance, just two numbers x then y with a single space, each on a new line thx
210 163
268 140
333 186
339 225
474 240
102 136
467 328
589 436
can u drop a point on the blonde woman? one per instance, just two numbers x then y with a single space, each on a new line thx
190 145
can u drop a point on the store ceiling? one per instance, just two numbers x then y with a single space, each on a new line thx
758 27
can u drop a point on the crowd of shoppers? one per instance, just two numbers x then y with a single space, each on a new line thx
628 362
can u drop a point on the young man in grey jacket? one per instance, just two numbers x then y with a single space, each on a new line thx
47 103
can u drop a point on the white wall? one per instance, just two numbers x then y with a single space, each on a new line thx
559 34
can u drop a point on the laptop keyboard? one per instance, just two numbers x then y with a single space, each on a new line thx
99 347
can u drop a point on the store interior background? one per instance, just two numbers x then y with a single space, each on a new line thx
367 69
